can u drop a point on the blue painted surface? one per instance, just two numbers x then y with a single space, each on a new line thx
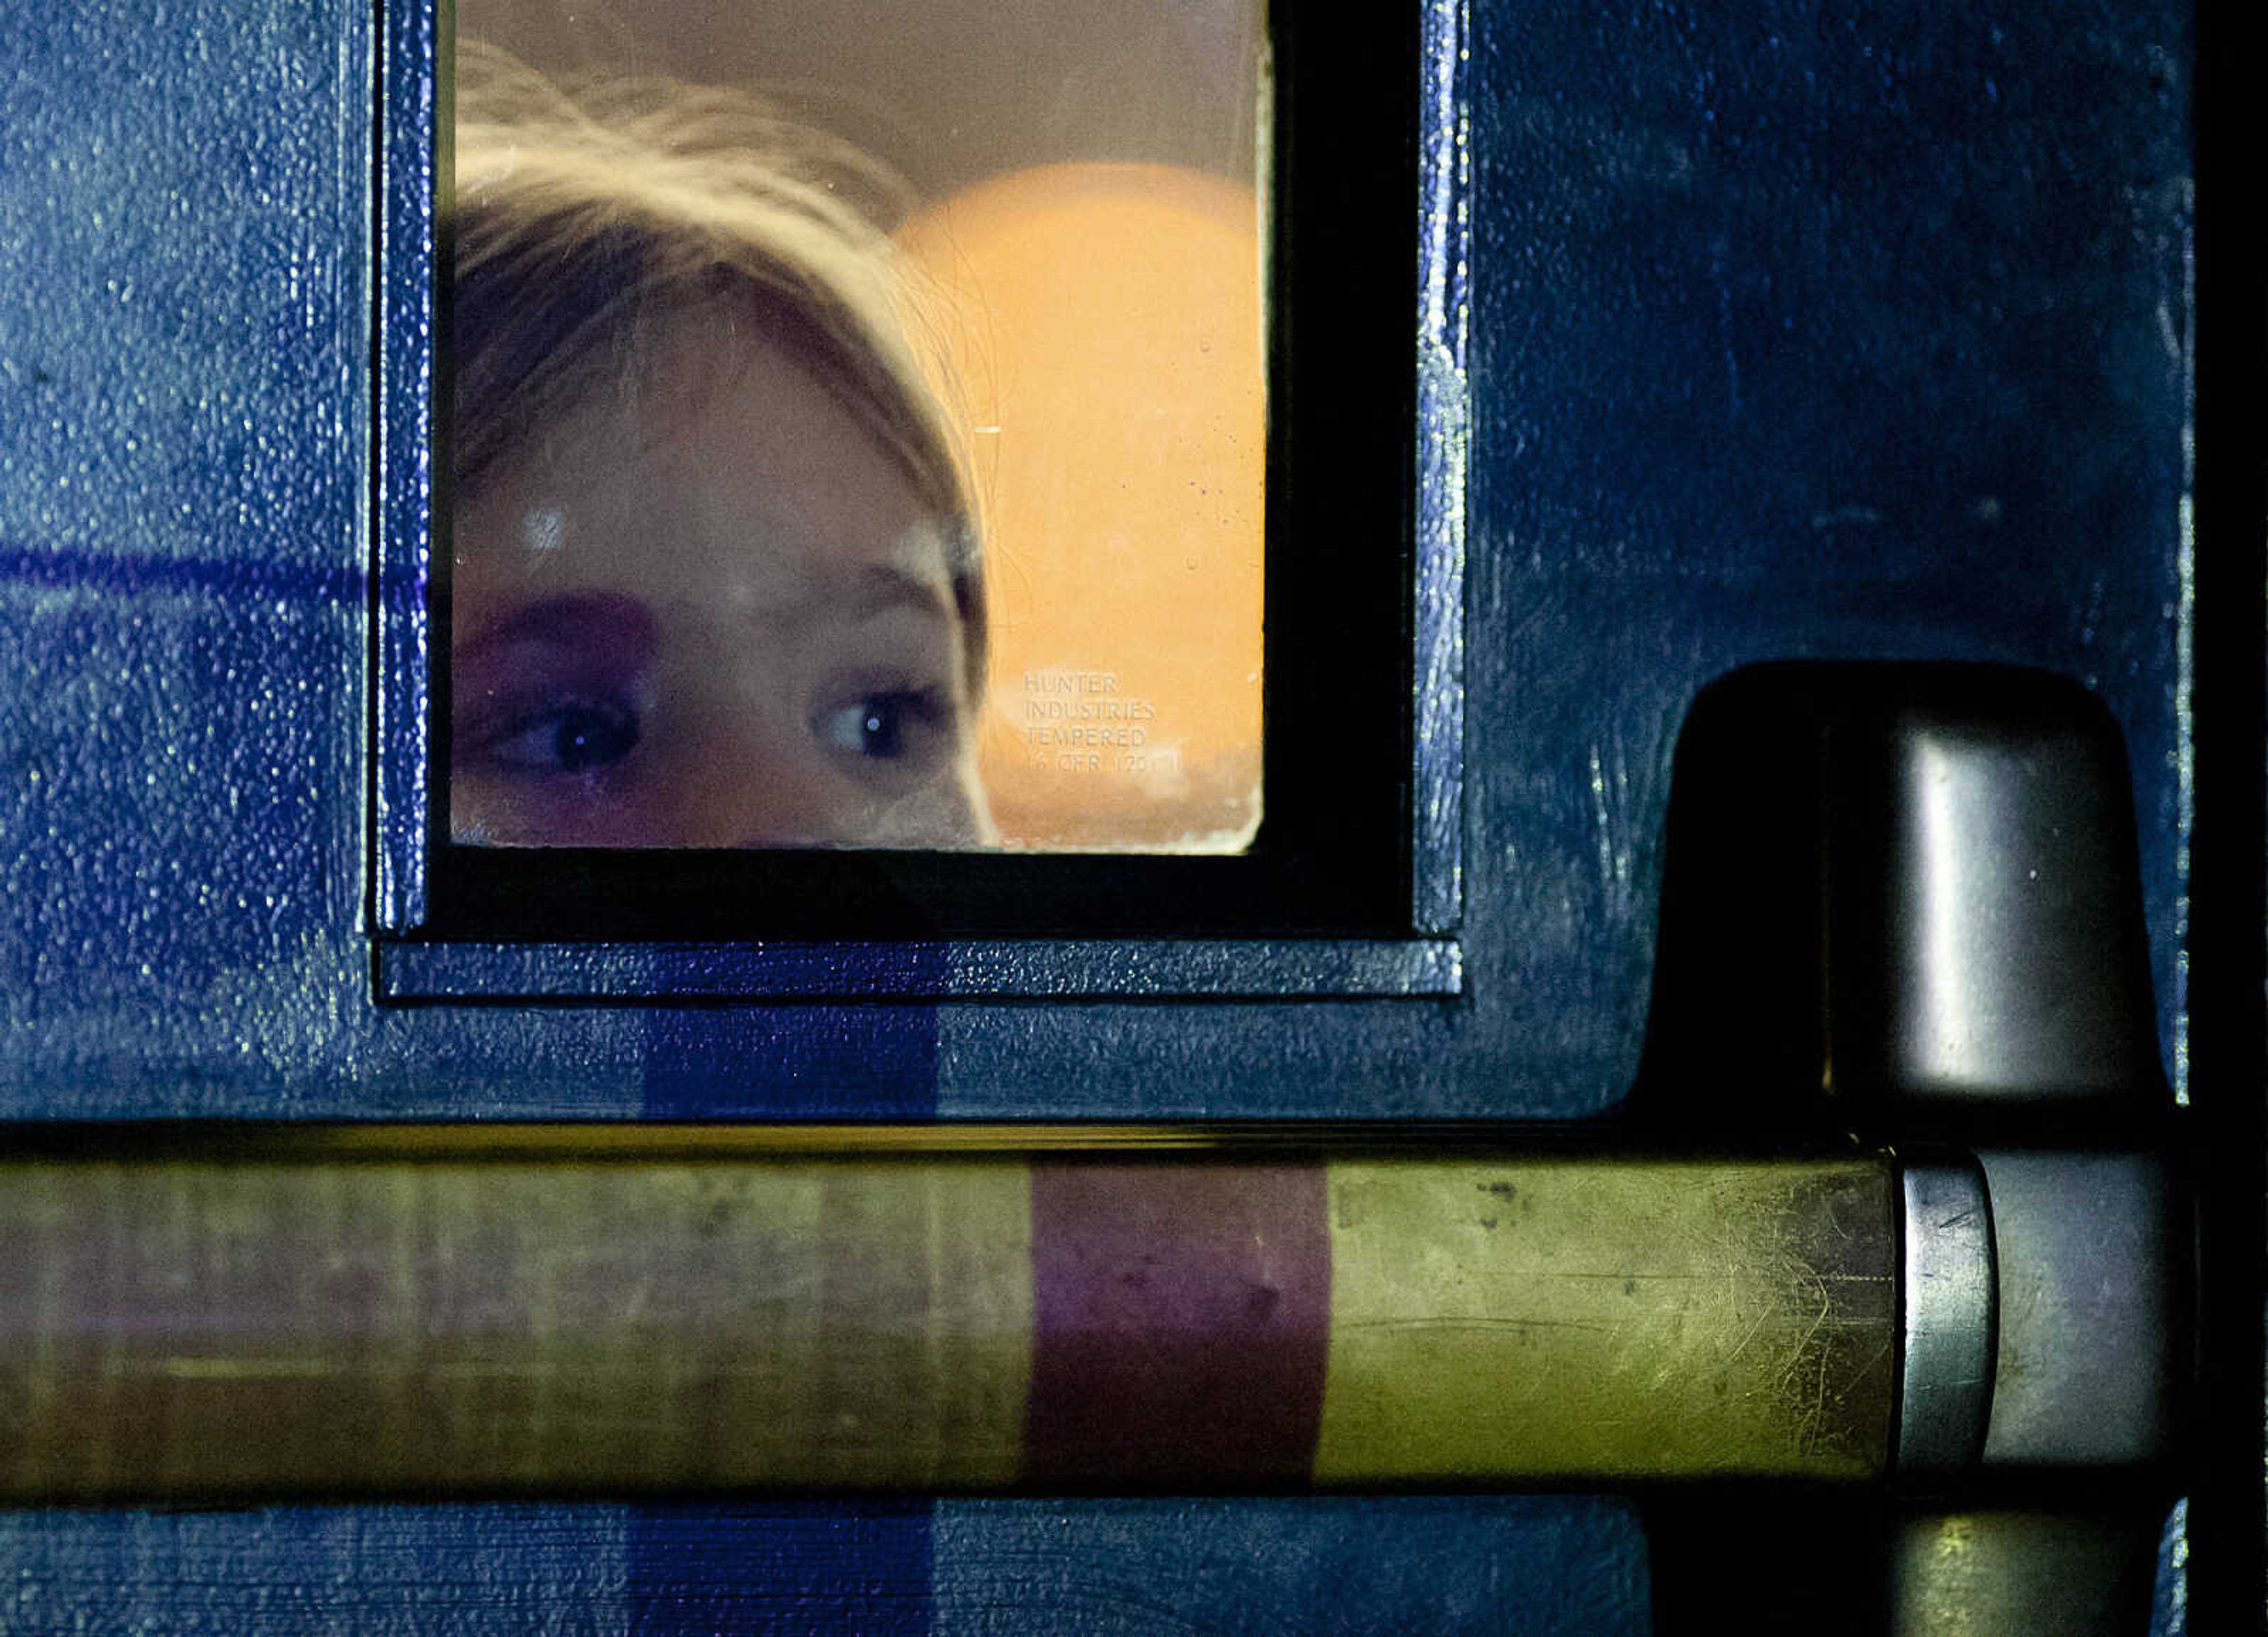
1793 332
1472 1567
1137 969
407 140
451 1571
1810 331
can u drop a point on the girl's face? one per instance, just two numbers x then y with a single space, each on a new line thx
708 611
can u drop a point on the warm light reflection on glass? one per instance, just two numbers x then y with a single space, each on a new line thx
1102 331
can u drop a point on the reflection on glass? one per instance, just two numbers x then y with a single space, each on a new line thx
795 505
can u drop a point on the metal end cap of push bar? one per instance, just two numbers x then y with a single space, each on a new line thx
1909 885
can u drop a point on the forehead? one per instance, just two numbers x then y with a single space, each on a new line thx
721 458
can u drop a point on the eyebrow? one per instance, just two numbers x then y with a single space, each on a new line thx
602 619
877 587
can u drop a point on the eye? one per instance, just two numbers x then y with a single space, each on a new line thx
883 726
566 738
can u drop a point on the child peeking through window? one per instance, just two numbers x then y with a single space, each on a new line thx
715 579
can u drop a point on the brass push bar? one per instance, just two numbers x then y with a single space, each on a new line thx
222 1314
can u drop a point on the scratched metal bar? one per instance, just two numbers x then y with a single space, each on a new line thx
435 1315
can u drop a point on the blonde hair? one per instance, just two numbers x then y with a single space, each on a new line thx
587 218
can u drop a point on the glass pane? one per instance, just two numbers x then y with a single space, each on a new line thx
858 424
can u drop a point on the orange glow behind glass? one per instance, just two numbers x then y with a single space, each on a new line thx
1100 328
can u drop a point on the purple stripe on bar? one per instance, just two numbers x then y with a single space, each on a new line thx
1182 1321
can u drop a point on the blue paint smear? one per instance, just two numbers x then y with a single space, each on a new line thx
781 1567
248 580
788 1566
807 1062
819 1062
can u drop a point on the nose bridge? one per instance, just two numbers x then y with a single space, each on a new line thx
767 792
742 757
759 803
